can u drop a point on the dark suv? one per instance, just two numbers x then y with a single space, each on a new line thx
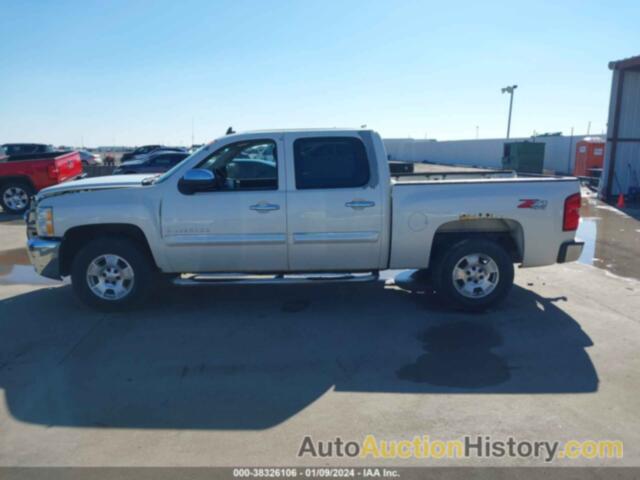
156 163
144 150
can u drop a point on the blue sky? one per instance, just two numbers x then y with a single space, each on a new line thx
135 72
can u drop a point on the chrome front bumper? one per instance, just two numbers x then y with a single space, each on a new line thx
44 255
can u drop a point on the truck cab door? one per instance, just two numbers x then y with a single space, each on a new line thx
240 226
334 203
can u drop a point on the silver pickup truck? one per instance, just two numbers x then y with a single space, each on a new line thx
293 204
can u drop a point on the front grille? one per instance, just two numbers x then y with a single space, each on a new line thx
30 220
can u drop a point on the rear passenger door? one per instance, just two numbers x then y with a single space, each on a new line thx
334 209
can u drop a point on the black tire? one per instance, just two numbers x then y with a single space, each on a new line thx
144 273
447 262
19 186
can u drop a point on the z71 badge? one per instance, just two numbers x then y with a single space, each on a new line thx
534 203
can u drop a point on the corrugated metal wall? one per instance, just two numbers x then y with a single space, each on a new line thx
559 151
630 113
627 152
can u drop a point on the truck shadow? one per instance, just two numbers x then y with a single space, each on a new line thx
241 357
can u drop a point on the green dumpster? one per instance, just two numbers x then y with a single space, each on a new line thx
525 157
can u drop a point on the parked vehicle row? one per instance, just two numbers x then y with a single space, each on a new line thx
311 202
142 153
27 168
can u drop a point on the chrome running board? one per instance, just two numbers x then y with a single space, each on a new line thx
190 280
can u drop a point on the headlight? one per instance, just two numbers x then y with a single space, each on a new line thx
44 221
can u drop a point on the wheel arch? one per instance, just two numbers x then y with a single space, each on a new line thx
507 233
18 179
75 238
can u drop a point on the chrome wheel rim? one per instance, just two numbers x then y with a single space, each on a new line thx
110 277
15 198
476 275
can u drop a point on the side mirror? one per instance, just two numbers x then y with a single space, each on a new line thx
197 180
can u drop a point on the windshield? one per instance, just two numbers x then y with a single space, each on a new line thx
170 172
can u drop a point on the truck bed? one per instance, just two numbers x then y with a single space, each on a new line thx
528 207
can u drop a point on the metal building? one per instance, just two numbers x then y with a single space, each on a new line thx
622 154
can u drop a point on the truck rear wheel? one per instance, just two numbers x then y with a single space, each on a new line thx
112 273
473 274
15 197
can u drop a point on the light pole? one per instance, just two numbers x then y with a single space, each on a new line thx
510 91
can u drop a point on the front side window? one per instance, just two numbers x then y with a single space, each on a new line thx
248 165
330 162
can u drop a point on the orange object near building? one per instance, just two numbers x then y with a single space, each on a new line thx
589 154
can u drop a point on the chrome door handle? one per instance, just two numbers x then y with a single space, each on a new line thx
264 207
358 204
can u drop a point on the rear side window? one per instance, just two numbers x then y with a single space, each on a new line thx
43 149
330 162
23 149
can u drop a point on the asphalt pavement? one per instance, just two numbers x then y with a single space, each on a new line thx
239 375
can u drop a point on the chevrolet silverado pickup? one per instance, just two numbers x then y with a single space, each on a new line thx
25 168
303 205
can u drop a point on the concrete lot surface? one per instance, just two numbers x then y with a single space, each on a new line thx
239 375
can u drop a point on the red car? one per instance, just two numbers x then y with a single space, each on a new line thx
28 168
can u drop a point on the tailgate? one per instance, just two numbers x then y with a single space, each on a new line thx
68 166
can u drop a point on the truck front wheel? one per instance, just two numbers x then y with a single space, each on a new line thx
473 274
112 273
